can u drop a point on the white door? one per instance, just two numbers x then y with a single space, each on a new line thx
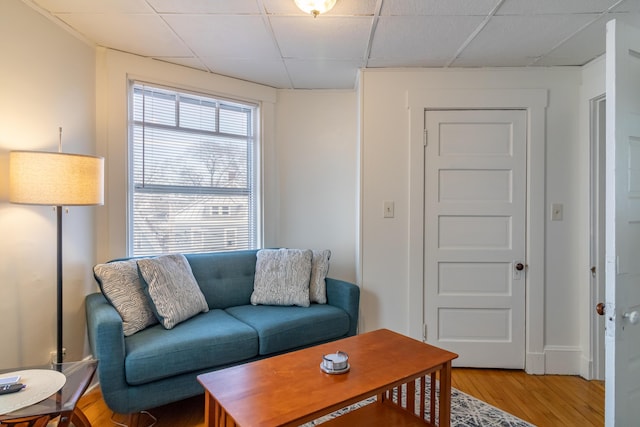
475 203
622 336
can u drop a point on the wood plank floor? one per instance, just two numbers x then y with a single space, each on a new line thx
544 400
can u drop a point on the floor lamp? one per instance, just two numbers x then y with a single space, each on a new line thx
56 179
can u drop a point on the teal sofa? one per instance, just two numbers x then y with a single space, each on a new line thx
157 366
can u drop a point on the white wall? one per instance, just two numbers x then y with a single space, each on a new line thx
46 81
316 162
385 176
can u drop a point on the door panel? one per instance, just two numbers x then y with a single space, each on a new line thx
475 201
622 336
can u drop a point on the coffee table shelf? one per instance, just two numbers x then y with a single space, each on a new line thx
376 414
290 389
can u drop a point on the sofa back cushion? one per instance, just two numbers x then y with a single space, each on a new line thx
225 278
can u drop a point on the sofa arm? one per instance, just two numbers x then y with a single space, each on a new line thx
106 338
346 296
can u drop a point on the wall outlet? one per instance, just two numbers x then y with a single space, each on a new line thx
53 356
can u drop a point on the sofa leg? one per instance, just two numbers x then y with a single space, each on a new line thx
134 420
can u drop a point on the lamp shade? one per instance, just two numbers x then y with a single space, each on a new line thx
55 179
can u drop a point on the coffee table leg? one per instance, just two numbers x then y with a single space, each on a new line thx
445 395
209 416
215 415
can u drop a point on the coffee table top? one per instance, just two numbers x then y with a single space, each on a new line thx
291 388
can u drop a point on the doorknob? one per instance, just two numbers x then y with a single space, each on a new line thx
633 317
600 308
518 269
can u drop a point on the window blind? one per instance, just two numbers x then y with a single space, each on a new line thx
193 172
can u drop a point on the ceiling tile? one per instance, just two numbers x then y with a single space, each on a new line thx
225 35
342 8
579 50
309 74
145 35
322 37
428 62
519 40
437 7
417 38
84 6
632 6
190 62
267 72
551 7
205 6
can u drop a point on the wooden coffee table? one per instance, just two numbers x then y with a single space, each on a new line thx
290 389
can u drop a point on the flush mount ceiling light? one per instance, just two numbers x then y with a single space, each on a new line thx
315 7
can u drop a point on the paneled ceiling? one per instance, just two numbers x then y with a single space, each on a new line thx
272 42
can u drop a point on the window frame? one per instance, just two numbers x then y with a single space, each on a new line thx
254 181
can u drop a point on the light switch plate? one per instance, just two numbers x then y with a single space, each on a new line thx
389 209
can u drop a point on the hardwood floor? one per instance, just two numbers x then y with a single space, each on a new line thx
544 400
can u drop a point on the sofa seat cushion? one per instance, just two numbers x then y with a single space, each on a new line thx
284 328
207 340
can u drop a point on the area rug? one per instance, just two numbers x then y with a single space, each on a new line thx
466 411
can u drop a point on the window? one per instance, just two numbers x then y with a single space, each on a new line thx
193 174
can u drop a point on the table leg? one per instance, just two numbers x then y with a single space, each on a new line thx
79 419
445 395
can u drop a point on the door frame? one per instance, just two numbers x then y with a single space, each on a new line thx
535 102
597 142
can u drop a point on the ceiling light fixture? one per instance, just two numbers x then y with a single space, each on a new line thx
315 7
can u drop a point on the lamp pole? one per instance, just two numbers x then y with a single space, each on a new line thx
60 351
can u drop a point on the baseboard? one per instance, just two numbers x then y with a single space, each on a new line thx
562 360
535 364
586 368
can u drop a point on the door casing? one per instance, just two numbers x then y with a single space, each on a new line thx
597 238
535 102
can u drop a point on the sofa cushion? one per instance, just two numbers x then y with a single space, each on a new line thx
284 328
282 277
319 270
174 292
204 341
120 284
225 278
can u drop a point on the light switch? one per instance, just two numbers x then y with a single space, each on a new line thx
556 212
389 209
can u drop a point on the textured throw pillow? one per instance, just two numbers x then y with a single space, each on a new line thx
282 277
174 292
120 283
319 270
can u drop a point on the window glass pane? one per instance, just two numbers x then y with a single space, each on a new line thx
198 114
193 186
234 120
184 223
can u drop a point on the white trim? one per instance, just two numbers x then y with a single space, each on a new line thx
535 102
594 369
560 359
